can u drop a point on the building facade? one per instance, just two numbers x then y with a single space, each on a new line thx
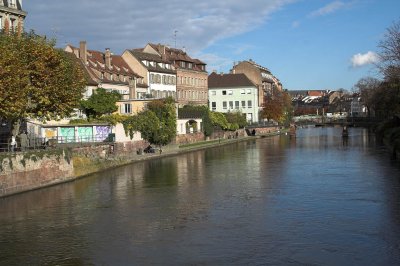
112 73
191 74
233 93
11 15
158 73
261 76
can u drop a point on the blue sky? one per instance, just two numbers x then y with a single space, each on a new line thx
307 44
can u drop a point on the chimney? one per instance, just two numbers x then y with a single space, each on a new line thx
162 51
83 51
132 88
108 58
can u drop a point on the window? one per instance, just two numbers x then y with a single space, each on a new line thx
173 81
152 80
223 92
164 79
236 104
111 77
126 108
242 91
243 104
249 104
230 104
102 75
230 92
248 91
1 22
182 64
224 105
213 106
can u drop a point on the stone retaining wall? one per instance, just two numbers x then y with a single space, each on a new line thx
26 171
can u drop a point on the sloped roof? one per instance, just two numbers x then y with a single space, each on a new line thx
140 55
175 55
229 80
96 62
189 114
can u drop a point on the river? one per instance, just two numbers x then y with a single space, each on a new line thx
313 200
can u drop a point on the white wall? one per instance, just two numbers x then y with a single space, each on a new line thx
121 137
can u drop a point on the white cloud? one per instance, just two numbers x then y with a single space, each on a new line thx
124 24
328 9
359 59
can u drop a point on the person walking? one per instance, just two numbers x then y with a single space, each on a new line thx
13 143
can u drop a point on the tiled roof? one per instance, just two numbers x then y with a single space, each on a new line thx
189 114
228 80
138 54
175 55
96 62
88 76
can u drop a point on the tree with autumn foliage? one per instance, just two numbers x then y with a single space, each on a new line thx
36 80
278 106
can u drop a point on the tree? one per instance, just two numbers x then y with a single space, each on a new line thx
101 102
368 88
36 80
277 106
390 53
237 119
219 120
157 124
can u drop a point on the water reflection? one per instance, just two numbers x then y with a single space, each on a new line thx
314 199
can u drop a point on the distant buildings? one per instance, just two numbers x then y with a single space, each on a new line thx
11 15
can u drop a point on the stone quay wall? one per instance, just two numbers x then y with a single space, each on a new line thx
27 171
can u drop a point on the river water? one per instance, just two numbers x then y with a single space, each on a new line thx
312 200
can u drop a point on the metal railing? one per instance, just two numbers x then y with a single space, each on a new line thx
37 143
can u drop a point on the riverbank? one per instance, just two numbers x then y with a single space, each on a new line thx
389 134
26 171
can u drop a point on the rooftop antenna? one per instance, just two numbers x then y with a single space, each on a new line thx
175 32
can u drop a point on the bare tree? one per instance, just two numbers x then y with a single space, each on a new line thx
390 52
368 88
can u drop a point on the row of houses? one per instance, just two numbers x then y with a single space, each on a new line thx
154 71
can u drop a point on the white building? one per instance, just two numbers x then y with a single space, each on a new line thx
159 74
233 92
